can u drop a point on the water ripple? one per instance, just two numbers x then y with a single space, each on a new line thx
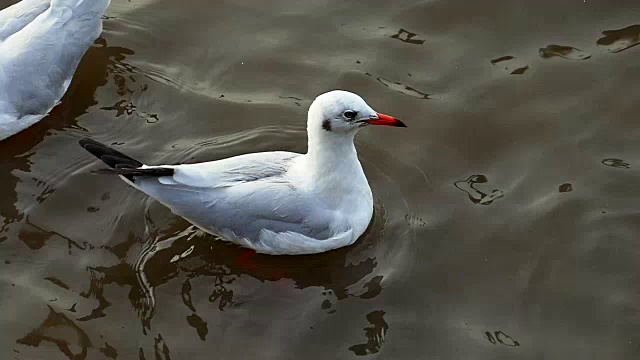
57 328
615 41
403 89
476 196
616 163
510 65
407 37
376 334
565 52
499 337
565 188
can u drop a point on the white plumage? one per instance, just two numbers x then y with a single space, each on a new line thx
41 44
273 202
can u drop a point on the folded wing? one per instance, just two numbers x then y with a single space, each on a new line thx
246 198
17 16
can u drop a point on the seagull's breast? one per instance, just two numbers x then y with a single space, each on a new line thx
357 209
343 190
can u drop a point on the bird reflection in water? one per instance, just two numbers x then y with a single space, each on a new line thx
180 251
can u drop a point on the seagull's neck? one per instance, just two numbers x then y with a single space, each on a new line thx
328 152
331 166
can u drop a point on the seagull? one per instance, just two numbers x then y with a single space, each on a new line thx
42 42
278 203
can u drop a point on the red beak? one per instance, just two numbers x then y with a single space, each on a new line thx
385 120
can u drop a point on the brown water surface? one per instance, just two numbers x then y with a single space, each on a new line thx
507 214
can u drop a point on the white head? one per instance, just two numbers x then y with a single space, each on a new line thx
341 112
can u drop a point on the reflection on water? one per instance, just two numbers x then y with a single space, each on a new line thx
502 59
499 337
565 188
510 65
90 268
565 52
58 329
415 221
619 40
375 334
616 163
123 107
200 325
35 237
520 70
401 88
191 254
109 351
476 196
98 62
161 350
407 37
57 282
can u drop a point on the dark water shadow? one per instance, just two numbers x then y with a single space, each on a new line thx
476 196
93 72
502 59
407 37
616 163
109 351
58 329
520 70
191 253
376 334
565 188
615 41
562 51
402 88
510 65
499 337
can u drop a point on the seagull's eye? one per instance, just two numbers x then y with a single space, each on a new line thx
350 114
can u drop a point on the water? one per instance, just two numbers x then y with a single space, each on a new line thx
507 214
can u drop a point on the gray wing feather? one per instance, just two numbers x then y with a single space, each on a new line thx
247 195
231 171
16 17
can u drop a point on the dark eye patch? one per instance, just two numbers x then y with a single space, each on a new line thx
326 125
350 114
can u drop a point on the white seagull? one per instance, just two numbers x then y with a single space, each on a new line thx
41 44
273 202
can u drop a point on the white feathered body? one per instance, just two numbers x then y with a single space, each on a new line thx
41 45
274 203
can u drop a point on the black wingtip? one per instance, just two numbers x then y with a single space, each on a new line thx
130 172
119 163
109 155
84 141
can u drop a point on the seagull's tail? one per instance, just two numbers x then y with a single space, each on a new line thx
119 163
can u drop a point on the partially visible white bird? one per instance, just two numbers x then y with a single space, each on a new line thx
273 202
41 44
